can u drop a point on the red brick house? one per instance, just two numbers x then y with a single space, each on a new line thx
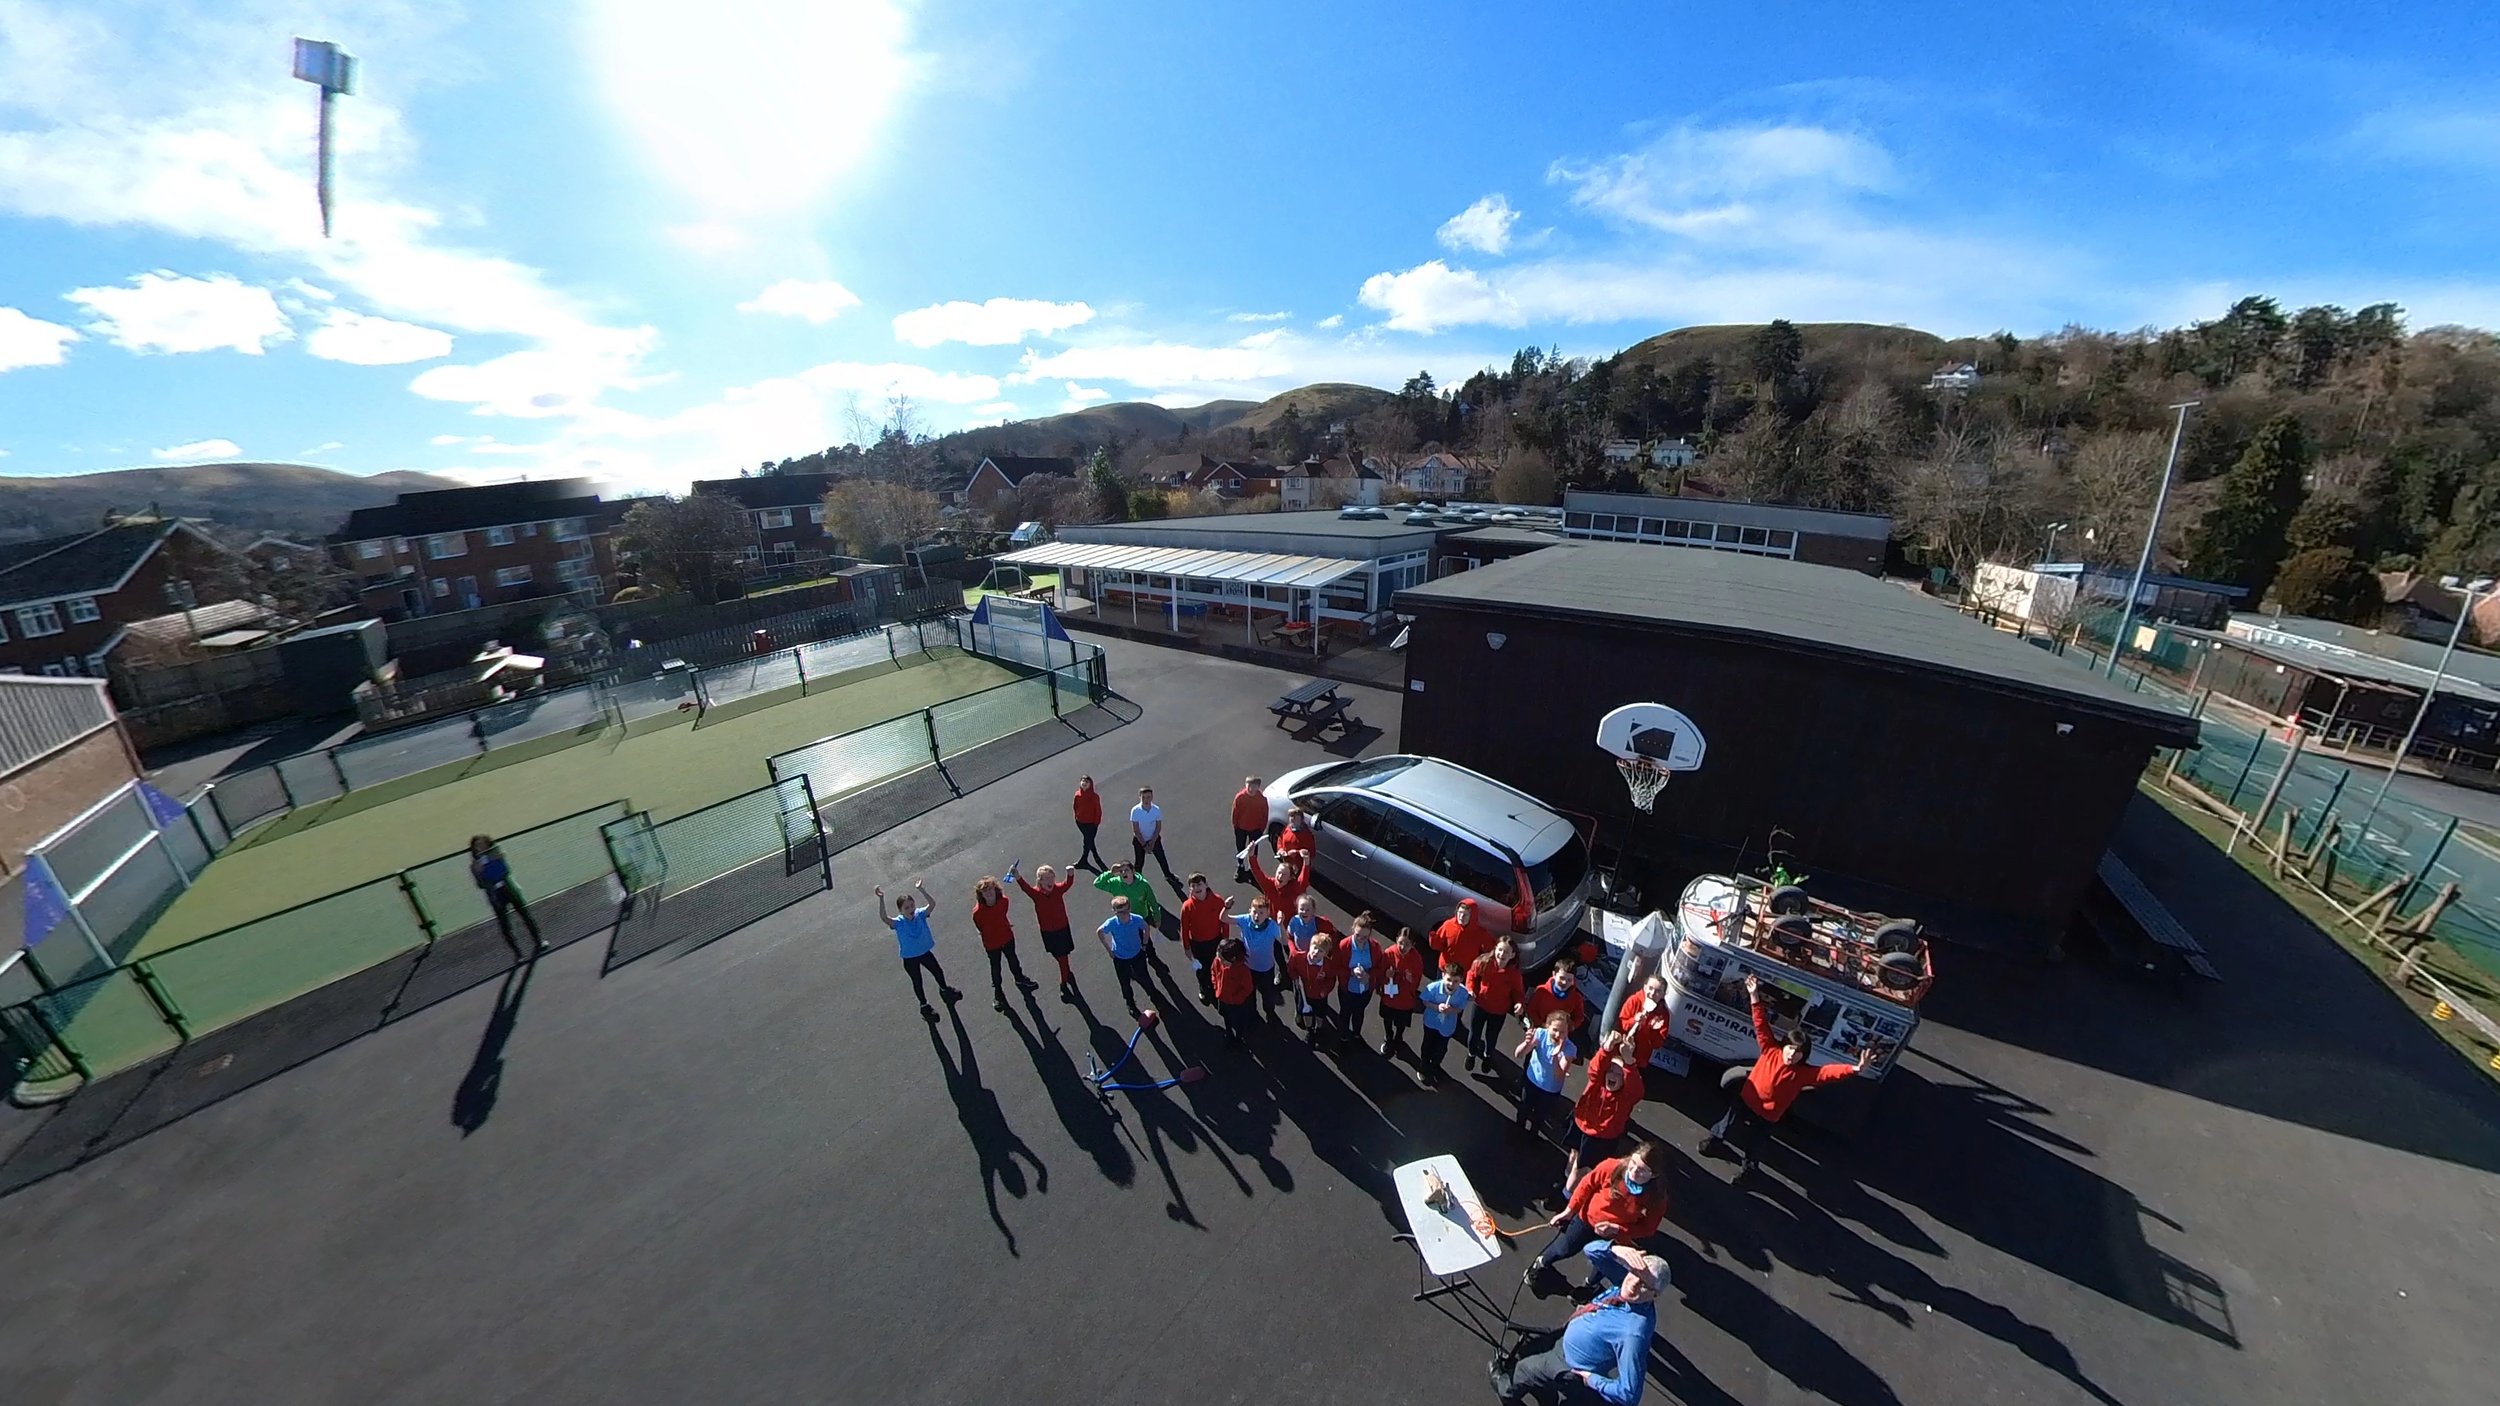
462 548
788 511
1002 473
65 602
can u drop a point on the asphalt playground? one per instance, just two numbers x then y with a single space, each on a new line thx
750 1173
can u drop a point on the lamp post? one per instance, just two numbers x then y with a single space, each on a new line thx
2050 554
2478 586
2152 534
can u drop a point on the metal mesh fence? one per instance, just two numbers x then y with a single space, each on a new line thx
831 658
375 760
537 715
211 825
770 840
765 673
644 698
99 839
119 907
214 981
248 797
965 723
546 860
310 778
840 765
703 845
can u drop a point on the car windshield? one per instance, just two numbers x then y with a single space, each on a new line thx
1368 772
1556 876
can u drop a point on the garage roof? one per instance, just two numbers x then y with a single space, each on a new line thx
1256 568
1819 607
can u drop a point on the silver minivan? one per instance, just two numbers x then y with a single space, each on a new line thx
1408 837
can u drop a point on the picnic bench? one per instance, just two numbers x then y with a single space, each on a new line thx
1316 704
2149 914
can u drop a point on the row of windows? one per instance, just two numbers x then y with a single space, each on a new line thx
780 517
36 621
68 667
1725 536
443 546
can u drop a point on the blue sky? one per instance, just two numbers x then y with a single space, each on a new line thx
650 241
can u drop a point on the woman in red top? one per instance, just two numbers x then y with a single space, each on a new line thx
1234 986
1049 892
1399 978
1605 1107
998 938
1088 820
1497 992
1202 927
1777 1078
1315 971
1645 1019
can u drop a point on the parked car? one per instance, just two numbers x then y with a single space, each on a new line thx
1408 837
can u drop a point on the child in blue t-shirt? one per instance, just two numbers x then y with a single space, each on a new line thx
1545 1054
1445 1001
916 944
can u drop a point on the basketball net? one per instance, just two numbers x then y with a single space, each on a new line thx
1643 778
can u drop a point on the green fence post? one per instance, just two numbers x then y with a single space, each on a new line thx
929 716
477 734
890 651
155 991
2255 745
333 754
222 822
425 921
824 846
799 657
279 771
1051 676
2323 811
61 1041
2427 864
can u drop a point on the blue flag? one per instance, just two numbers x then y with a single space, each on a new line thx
163 809
47 907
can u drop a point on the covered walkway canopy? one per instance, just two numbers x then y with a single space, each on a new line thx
1179 564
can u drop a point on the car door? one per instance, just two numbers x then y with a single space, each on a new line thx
1402 864
1347 843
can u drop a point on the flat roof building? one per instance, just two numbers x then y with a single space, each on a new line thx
1818 535
1913 760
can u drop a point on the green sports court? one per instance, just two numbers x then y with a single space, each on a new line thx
666 766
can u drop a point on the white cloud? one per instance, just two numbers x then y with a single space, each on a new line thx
819 302
1268 338
1432 295
31 341
708 237
442 440
892 378
363 340
996 410
1483 227
322 448
1182 374
166 121
1332 322
750 108
999 322
1257 316
557 378
1081 396
199 451
1716 181
174 313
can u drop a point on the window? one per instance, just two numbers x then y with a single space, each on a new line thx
512 576
816 514
447 544
1602 522
36 621
1784 540
1412 838
499 536
773 517
58 671
279 563
572 529
1755 537
1361 818
576 569
1673 530
1652 527
1728 532
1478 869
529 529
4 630
400 545
442 588
1575 520
370 551
82 610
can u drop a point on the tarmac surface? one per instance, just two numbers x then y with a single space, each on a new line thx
750 1172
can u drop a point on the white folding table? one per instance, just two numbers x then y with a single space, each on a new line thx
1446 1241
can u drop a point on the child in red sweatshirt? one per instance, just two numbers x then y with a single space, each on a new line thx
1229 977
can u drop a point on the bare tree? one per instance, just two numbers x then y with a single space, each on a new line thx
867 516
2112 480
1526 476
1968 498
1052 500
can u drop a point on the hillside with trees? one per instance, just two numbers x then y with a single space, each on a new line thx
2325 444
289 499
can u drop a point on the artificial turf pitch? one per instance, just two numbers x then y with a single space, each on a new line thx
667 766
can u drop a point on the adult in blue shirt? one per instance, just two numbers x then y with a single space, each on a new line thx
1260 932
916 943
1123 935
1602 1354
492 874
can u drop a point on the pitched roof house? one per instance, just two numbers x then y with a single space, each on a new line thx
1003 473
66 601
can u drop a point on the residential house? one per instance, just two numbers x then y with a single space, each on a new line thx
1179 470
65 602
788 511
1954 379
2422 608
1673 454
1620 451
275 553
1003 473
1327 483
462 548
1440 475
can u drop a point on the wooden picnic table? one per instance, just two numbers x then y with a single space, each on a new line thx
1317 703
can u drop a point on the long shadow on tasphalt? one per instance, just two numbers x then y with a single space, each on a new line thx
474 1101
995 1144
1167 1124
1082 1112
2296 1031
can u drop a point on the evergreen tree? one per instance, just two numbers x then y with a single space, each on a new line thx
1777 351
1109 493
2241 542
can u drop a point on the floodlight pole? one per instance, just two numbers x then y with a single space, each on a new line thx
2152 534
333 70
2464 613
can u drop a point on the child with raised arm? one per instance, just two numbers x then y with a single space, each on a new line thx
917 945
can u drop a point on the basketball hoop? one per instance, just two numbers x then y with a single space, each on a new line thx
1644 779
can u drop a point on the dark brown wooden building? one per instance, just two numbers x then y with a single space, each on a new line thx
1920 763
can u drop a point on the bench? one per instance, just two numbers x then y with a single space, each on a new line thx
1317 703
2148 912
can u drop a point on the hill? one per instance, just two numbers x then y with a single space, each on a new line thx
1826 343
1318 405
288 498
